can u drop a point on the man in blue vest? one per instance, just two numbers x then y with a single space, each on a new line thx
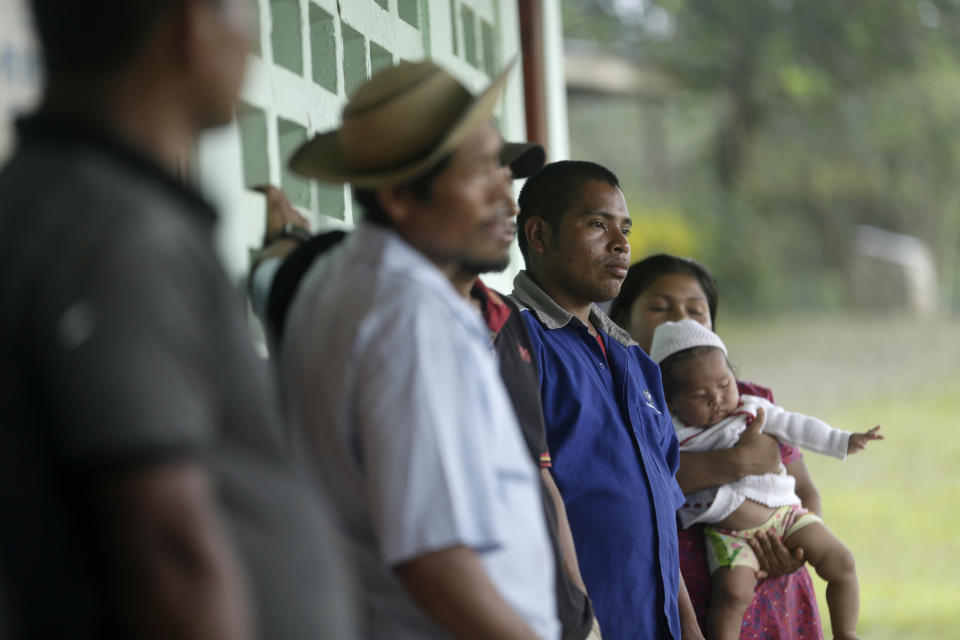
613 446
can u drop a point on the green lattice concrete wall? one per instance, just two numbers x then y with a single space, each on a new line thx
309 56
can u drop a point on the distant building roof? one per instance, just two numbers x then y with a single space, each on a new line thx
595 72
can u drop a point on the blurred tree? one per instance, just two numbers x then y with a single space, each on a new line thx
767 55
824 115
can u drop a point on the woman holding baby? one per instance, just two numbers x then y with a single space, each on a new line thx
665 288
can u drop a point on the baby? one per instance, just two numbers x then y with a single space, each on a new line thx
709 413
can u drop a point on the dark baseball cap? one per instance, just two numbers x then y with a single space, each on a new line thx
524 158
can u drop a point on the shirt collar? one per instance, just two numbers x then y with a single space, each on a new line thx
529 295
378 242
495 311
47 128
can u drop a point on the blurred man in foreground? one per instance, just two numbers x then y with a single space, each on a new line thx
142 464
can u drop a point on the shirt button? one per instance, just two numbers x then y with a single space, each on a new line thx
601 365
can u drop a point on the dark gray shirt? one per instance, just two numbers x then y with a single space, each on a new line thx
123 344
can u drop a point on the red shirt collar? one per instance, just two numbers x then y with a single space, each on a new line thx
495 311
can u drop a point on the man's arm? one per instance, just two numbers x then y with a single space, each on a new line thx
452 587
755 453
175 571
688 618
265 261
279 212
568 551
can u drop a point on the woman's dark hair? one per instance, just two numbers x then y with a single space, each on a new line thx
644 273
421 186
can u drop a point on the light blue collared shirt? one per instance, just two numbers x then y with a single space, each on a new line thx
391 376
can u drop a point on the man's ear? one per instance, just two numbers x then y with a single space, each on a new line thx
538 232
396 202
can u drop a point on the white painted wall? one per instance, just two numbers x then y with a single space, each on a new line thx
554 81
20 73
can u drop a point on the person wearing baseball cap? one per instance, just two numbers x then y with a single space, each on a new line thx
289 247
391 379
276 279
274 285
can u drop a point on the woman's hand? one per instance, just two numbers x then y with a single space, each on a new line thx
773 556
757 452
754 454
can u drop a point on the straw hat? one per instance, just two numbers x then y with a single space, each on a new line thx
397 126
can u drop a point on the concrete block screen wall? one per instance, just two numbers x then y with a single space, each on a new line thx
309 56
20 69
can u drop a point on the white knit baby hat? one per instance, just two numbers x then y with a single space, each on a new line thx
671 337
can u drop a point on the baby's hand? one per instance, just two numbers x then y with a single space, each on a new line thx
858 441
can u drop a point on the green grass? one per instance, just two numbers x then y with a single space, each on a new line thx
895 505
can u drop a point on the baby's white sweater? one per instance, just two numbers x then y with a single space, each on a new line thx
772 489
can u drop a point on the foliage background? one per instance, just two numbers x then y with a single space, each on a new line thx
769 131
893 505
779 126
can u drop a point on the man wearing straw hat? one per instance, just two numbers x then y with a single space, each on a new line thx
391 376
